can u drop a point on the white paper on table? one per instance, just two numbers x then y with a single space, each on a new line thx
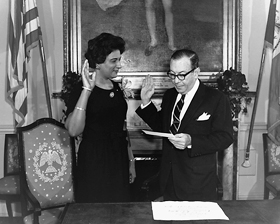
184 210
160 134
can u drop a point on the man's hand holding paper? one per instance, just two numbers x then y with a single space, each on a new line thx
180 141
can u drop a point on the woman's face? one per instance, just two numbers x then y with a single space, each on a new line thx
111 66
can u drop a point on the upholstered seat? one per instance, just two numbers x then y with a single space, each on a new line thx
271 168
9 184
47 158
274 181
48 216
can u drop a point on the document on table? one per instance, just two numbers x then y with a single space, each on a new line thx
184 210
160 134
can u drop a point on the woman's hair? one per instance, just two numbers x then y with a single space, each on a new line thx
101 46
186 53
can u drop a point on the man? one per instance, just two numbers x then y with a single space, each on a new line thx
204 127
151 22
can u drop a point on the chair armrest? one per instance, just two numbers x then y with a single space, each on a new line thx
220 190
30 205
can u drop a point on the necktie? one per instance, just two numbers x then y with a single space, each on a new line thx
176 116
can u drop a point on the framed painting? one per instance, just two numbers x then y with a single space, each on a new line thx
211 28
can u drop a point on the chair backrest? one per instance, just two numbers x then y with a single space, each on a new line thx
11 161
219 160
271 156
47 158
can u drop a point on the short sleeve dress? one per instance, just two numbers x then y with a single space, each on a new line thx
103 165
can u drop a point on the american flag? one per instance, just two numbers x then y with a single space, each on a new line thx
273 123
24 34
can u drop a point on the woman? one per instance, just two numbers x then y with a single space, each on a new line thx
97 110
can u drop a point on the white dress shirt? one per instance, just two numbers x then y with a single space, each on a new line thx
188 98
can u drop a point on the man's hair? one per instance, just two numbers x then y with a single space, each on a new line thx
101 46
186 53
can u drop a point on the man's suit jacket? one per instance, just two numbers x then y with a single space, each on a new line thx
193 169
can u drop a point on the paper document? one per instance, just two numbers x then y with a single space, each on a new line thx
160 134
183 210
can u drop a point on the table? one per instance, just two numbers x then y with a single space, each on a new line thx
238 211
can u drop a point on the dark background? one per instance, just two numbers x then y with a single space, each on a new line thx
198 24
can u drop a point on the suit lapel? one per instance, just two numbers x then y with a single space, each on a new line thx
195 103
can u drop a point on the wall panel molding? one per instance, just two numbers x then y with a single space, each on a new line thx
7 129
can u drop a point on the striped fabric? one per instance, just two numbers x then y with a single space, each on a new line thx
24 33
176 116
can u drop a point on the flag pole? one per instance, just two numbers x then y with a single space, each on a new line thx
268 43
246 162
45 77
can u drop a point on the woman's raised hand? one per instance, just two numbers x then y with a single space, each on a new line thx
87 78
147 89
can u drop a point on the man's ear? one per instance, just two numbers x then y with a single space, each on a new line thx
197 71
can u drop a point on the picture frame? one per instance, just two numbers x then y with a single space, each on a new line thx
211 28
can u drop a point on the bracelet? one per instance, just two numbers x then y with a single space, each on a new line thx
79 108
86 88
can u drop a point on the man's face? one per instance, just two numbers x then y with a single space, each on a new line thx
182 66
111 66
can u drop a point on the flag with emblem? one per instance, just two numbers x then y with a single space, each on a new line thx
24 34
273 123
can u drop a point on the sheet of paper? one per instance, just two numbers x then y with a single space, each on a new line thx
183 210
160 134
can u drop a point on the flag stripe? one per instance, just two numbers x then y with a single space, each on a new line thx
30 4
32 29
23 36
31 26
32 40
269 34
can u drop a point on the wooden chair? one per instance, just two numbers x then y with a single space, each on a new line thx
271 168
9 184
47 160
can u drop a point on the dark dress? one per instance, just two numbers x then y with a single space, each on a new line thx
103 165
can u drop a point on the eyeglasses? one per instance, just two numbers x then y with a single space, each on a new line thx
181 77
